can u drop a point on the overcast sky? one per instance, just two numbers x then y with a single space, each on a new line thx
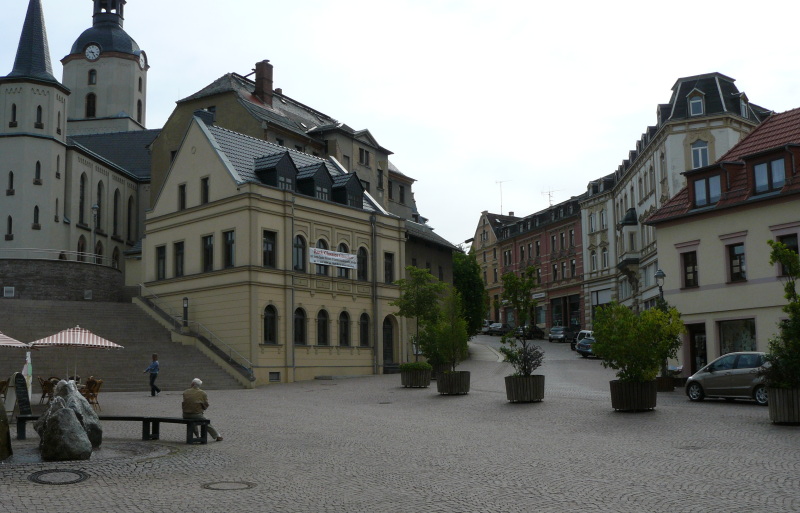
541 96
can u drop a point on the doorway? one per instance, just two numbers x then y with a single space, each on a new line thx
698 356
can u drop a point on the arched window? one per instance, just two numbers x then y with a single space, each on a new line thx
91 105
92 77
99 221
131 219
299 254
36 215
58 124
139 111
363 267
363 330
299 327
82 249
593 260
270 325
322 328
82 201
140 84
322 270
39 123
344 272
344 329
37 176
10 181
115 227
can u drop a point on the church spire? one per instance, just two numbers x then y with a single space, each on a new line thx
33 54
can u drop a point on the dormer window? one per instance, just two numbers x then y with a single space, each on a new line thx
769 176
699 154
707 191
696 105
743 108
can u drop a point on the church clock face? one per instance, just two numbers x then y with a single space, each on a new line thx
142 60
92 52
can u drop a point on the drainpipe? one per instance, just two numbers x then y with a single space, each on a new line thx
290 342
375 337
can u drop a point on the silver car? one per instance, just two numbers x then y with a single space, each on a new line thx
731 376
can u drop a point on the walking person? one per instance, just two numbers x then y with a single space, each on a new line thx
195 402
153 370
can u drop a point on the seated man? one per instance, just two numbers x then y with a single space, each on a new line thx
195 402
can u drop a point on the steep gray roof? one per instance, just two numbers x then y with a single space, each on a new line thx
127 150
33 53
426 233
243 150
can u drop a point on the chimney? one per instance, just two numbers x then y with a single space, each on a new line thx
511 214
264 82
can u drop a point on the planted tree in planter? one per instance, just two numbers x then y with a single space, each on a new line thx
635 346
449 339
524 356
782 372
420 294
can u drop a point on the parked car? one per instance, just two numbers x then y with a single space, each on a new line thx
560 334
582 334
498 328
485 327
584 347
530 332
731 376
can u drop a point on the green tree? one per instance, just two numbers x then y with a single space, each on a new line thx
783 370
636 345
449 334
420 293
469 283
523 355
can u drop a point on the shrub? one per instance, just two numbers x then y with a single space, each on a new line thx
413 366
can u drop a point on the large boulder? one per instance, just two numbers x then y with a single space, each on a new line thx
5 436
63 436
68 426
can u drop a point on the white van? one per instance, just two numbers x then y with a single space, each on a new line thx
582 334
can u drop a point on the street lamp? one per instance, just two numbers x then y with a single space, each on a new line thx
95 209
660 275
185 312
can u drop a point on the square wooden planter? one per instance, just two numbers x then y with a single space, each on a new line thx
415 378
784 405
626 396
525 389
453 383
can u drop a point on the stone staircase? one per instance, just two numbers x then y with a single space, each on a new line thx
121 369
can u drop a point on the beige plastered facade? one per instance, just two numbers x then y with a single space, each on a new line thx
231 302
717 299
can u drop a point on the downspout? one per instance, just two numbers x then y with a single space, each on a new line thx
375 337
290 342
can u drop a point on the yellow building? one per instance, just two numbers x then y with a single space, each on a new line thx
237 227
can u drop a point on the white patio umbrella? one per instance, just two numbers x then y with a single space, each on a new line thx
75 337
6 341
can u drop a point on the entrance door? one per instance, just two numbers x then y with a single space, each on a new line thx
698 357
388 341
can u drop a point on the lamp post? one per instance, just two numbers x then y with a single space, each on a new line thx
95 209
660 276
185 312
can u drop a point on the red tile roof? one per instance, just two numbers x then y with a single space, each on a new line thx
776 131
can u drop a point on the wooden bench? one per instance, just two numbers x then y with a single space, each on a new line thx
151 426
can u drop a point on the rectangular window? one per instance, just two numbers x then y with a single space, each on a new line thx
699 154
161 262
736 264
182 196
603 219
572 238
402 192
230 248
564 270
178 255
204 191
495 275
572 268
380 179
790 241
561 237
538 248
737 335
605 258
591 223
268 247
696 106
521 253
552 243
689 263
208 253
706 191
323 193
363 159
388 268
555 272
769 176
391 186
285 183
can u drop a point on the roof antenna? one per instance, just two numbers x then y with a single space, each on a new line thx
549 195
501 182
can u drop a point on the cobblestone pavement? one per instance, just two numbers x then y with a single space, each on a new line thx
368 445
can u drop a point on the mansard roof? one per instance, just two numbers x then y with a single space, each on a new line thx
720 95
33 54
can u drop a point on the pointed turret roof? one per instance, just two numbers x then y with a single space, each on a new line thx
33 54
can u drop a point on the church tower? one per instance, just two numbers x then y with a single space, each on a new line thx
107 74
33 141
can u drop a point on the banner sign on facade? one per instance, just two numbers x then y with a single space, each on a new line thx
328 257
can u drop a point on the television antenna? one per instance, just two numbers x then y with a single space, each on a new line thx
549 194
500 183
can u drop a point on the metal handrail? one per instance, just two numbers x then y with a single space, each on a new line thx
56 254
202 332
